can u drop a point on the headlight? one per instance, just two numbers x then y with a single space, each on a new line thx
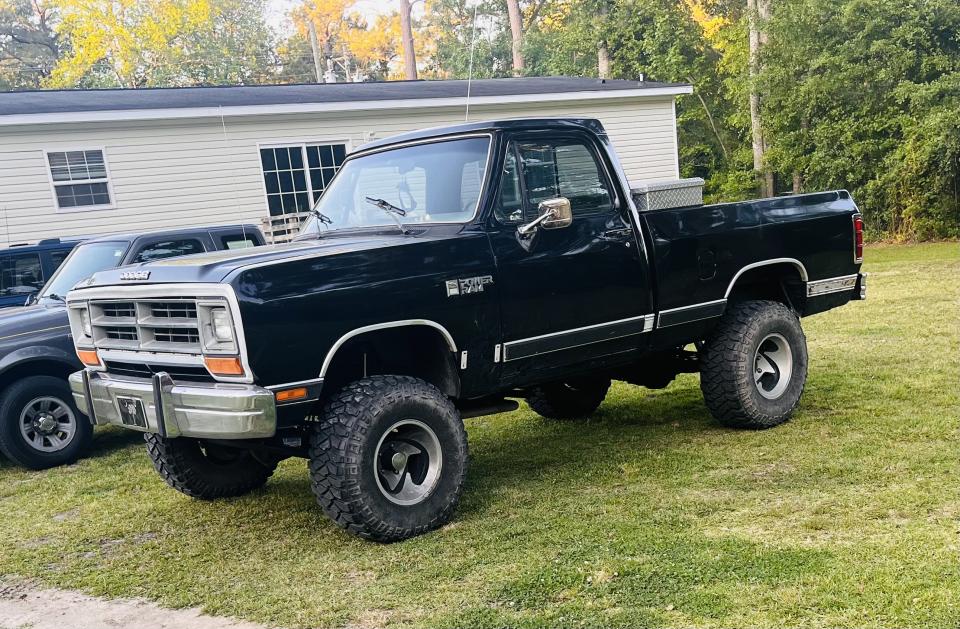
221 324
216 328
85 326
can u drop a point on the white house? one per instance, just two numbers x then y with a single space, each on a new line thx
84 162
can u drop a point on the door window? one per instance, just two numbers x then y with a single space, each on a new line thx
20 274
549 169
169 249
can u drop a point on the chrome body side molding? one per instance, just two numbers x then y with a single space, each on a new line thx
691 313
831 285
576 337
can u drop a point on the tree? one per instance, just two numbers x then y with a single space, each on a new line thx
373 48
406 41
321 23
758 13
145 43
865 95
516 36
29 47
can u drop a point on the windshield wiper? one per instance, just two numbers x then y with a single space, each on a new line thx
55 297
392 211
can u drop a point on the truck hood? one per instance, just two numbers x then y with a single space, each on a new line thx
20 321
215 266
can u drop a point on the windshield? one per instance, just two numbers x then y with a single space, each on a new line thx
84 261
436 182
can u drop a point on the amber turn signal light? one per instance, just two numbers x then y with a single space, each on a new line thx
89 357
291 395
229 366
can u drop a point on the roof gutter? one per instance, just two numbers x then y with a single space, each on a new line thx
310 108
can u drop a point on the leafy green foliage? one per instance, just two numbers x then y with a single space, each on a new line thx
865 95
29 47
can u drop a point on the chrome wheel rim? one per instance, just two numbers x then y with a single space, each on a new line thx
773 366
407 462
47 424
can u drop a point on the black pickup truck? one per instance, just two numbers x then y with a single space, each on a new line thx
445 274
39 423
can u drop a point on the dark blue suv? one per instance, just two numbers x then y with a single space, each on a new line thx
24 269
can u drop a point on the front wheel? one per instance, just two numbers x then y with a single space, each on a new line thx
40 427
754 368
388 458
208 471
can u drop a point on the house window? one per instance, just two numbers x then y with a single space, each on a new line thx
296 175
80 178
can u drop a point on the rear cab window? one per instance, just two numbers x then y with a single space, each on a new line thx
169 249
237 241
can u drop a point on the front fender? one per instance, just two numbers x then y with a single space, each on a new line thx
37 353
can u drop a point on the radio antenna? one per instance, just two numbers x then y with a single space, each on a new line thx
473 40
233 171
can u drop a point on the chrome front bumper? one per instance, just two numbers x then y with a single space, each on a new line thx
196 409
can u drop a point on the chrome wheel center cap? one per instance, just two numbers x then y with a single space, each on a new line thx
398 461
46 423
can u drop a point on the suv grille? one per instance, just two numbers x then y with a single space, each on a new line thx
154 325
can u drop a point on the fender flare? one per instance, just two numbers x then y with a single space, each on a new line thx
33 354
331 353
796 263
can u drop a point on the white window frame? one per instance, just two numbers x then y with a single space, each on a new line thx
53 184
303 144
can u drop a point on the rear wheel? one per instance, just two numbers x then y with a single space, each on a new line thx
389 458
208 471
40 427
569 399
754 368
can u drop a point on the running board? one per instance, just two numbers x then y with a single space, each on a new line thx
479 408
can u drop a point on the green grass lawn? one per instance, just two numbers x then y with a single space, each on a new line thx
648 514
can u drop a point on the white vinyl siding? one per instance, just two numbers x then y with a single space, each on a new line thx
181 172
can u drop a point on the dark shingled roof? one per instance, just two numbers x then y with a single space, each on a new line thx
65 101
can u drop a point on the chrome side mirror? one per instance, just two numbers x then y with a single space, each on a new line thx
554 214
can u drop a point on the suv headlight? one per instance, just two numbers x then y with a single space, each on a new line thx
216 328
85 326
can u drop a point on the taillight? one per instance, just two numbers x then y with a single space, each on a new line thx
857 238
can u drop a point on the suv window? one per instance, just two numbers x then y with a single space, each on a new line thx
57 257
237 241
20 274
169 248
559 168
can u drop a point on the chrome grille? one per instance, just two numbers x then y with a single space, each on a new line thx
154 325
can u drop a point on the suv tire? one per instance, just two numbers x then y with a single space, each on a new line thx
388 458
206 471
570 399
40 426
754 367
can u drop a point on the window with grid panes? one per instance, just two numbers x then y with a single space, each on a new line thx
296 175
79 178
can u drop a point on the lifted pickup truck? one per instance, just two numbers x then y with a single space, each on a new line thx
39 423
444 274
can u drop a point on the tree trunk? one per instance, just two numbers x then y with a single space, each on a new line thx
315 46
516 33
603 53
758 11
406 40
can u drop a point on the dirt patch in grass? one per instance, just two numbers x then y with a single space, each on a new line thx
24 604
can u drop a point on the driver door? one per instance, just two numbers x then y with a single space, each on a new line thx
573 294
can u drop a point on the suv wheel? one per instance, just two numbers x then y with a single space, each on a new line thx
570 399
40 426
208 471
754 368
388 458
